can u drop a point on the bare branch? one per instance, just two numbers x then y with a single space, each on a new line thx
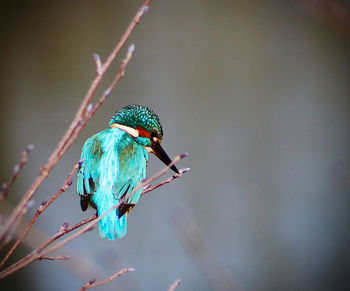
150 188
92 283
43 206
38 253
91 110
76 125
106 93
174 285
16 171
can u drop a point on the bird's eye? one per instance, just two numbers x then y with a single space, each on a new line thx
154 137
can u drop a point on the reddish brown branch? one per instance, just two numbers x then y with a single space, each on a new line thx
150 188
43 206
174 285
16 171
76 125
92 109
39 252
92 283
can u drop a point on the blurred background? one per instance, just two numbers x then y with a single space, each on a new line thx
256 91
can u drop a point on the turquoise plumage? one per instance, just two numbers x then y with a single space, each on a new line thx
114 163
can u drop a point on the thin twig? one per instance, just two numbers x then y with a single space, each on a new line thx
92 283
76 124
82 266
16 171
43 206
120 75
38 253
174 285
101 100
150 188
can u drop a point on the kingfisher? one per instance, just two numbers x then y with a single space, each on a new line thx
114 162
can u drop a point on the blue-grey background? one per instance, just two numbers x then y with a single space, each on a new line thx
256 91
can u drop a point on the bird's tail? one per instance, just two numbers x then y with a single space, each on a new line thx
111 226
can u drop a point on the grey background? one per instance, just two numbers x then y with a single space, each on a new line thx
256 91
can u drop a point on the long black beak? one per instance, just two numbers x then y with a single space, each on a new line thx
162 155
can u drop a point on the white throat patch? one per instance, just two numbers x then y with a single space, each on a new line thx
132 131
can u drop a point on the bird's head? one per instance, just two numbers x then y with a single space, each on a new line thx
144 126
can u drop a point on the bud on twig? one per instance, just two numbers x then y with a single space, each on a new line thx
63 226
106 92
16 169
29 148
89 108
30 204
92 281
98 64
3 187
131 50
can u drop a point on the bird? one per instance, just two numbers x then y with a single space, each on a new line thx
114 161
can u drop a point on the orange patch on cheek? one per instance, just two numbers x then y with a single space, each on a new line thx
143 132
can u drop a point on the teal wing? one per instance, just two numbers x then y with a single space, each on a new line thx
132 170
88 174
